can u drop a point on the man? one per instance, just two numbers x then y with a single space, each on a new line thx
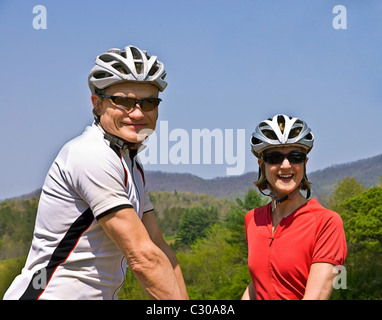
94 215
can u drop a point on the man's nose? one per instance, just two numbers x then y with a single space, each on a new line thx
137 112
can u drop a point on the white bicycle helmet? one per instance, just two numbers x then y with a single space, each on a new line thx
129 64
281 130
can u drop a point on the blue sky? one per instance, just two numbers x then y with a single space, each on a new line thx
230 64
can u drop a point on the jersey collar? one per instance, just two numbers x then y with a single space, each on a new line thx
119 142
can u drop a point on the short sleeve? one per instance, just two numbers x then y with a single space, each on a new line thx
330 245
99 180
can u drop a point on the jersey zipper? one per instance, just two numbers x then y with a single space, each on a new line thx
272 237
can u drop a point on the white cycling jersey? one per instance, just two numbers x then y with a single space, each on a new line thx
71 256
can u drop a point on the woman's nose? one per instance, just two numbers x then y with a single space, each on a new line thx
285 163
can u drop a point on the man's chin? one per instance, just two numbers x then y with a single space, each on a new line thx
136 137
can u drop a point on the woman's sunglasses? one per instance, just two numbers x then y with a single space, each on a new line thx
128 104
278 157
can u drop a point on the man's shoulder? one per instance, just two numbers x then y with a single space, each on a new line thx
87 148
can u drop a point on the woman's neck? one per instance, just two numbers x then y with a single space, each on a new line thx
285 208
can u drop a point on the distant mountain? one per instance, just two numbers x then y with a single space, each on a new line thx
366 171
229 187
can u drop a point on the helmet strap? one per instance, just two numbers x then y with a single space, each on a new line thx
121 143
117 141
290 196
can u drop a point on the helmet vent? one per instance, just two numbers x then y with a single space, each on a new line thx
123 53
138 67
255 141
269 134
281 122
135 53
106 58
294 133
120 68
153 70
101 75
309 136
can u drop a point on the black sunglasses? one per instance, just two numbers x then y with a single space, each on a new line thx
278 157
128 104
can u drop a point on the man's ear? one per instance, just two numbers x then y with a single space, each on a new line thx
96 102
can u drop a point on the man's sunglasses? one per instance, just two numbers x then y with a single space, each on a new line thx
128 104
278 157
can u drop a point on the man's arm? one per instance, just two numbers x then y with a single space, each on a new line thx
320 281
149 264
150 222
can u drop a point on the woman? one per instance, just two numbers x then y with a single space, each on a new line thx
293 243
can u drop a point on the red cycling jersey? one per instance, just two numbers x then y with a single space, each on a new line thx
279 263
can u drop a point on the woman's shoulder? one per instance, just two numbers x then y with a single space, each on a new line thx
262 211
321 213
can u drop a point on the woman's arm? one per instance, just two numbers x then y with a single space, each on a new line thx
320 281
249 293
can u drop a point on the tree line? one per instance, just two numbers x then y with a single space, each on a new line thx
208 237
